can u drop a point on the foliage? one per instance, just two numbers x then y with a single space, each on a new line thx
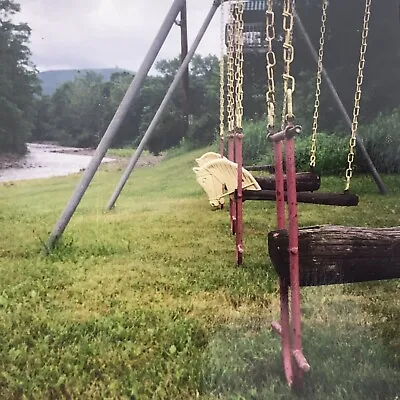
18 82
382 142
79 112
379 137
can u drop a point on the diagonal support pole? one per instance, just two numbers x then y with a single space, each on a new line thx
130 97
150 130
375 174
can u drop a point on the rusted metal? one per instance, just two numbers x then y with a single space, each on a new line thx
294 260
283 285
289 132
232 202
239 197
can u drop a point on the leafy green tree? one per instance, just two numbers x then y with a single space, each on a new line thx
18 81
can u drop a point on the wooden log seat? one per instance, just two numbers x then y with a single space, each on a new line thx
333 254
328 199
265 168
305 182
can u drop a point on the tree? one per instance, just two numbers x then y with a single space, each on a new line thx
18 81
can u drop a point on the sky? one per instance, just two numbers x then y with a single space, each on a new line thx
77 34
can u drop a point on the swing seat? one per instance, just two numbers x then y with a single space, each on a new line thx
305 182
212 186
264 168
219 174
206 157
332 254
328 199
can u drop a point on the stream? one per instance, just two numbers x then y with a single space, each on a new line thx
46 161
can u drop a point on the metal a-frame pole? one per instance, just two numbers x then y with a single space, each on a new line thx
178 77
185 79
130 97
375 174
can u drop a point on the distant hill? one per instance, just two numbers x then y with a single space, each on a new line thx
51 80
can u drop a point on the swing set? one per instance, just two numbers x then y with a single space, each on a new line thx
309 256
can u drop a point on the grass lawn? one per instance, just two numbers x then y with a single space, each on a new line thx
145 302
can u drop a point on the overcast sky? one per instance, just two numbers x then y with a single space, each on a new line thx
108 33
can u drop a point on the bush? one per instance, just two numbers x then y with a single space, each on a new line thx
380 138
382 141
331 150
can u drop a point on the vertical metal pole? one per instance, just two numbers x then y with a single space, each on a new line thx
232 202
185 79
239 196
300 364
123 109
378 180
284 325
161 109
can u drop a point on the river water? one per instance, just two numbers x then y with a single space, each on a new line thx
45 161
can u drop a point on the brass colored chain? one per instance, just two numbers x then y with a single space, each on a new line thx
239 63
222 77
357 96
271 62
231 64
289 82
313 152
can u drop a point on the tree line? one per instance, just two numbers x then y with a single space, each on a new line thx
79 112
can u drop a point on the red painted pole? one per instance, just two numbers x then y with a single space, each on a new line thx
284 325
301 364
232 203
221 146
239 196
279 179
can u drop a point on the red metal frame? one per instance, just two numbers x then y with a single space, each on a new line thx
239 196
289 329
232 202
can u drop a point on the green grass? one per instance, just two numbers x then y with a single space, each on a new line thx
124 152
145 302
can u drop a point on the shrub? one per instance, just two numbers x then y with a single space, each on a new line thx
331 149
380 138
382 141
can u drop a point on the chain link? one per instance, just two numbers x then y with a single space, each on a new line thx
313 152
239 62
271 62
289 82
230 74
222 76
357 96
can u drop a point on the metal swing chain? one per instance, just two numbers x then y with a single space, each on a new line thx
222 78
239 59
289 82
230 74
313 151
271 63
357 96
